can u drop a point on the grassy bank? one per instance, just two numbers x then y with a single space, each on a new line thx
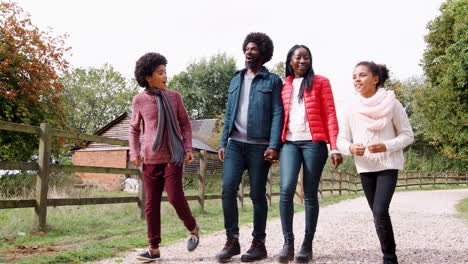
462 208
86 233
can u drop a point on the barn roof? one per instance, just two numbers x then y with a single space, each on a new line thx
118 128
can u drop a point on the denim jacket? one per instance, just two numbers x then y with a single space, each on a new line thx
265 114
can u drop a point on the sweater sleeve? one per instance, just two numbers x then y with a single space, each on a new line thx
345 136
329 113
134 129
403 130
184 123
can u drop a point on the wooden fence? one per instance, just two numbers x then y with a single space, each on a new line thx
334 182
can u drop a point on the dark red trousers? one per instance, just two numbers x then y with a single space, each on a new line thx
157 177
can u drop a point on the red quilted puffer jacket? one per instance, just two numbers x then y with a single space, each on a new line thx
320 110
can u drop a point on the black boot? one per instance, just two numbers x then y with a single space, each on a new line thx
256 252
305 253
287 253
231 248
390 259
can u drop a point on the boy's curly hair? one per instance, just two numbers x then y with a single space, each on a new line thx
146 65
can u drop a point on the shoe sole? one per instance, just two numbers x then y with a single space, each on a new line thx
303 260
290 258
224 260
145 260
253 260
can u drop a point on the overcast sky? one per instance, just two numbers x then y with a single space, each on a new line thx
339 33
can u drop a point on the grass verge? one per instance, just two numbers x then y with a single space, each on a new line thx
87 233
462 208
79 234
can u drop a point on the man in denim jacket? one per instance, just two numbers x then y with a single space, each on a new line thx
251 140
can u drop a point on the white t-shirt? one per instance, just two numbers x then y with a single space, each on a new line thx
298 126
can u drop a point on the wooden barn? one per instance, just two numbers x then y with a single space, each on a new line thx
104 155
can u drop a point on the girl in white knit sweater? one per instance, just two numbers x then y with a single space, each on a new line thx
375 130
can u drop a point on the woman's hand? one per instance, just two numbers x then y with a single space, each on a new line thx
336 160
376 148
357 149
137 161
189 158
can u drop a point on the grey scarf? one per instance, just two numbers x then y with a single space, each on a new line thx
168 126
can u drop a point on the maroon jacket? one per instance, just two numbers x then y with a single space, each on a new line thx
320 110
145 112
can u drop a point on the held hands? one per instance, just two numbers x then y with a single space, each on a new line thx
271 155
336 160
189 158
358 149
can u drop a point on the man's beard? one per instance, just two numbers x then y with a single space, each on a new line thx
253 64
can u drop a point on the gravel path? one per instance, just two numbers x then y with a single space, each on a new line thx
426 231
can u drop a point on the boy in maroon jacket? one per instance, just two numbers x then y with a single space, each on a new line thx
165 146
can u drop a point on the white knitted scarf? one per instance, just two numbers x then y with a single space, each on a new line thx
375 112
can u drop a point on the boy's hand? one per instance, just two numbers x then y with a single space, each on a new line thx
189 158
137 161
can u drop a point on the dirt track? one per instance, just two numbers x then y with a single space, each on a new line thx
425 223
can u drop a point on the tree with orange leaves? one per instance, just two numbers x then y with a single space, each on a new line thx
31 62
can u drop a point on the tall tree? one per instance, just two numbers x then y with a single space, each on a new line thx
95 96
31 62
445 63
204 85
279 69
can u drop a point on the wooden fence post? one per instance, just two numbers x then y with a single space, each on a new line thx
332 183
466 178
349 183
355 176
420 179
446 177
42 177
269 188
341 185
406 180
141 194
433 179
202 179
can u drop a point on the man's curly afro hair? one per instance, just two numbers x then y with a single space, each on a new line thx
146 65
264 43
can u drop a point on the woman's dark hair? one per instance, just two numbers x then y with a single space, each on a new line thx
146 65
308 76
264 43
376 70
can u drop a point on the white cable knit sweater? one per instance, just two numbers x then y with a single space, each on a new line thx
396 135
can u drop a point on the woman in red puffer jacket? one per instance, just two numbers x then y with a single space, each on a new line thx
309 123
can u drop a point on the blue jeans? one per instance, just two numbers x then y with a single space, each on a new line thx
313 156
238 157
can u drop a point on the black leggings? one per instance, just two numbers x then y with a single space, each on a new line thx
379 187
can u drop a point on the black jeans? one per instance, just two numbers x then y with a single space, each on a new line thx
379 187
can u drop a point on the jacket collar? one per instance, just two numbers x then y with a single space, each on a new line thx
263 73
289 79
